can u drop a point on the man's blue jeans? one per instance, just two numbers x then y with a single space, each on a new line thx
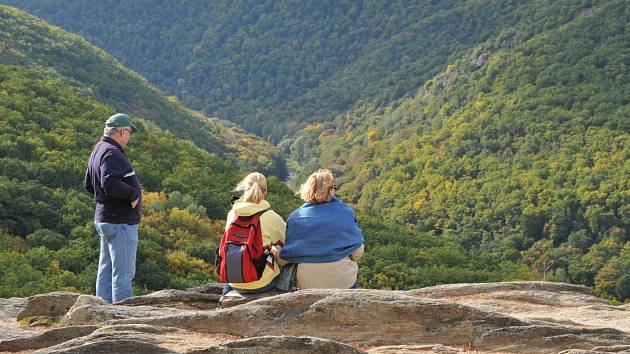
117 262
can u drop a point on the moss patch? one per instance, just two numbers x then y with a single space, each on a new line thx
37 321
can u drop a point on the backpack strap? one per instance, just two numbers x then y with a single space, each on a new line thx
248 217
262 212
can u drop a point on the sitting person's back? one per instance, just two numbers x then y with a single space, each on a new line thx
271 225
323 237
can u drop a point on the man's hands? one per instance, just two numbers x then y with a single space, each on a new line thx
134 204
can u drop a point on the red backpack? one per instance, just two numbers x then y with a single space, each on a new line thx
241 257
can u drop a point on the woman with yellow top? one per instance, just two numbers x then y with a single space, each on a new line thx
254 188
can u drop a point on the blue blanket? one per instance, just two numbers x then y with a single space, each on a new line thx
319 233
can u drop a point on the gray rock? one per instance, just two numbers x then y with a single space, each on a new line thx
99 313
374 317
9 328
12 334
210 288
175 298
280 345
10 308
614 349
234 298
599 350
415 349
361 316
46 339
459 290
137 328
111 346
520 317
84 300
52 305
111 341
549 339
536 301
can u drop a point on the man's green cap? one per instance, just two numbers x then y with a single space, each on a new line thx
120 120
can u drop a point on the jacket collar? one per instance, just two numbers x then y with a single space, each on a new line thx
113 142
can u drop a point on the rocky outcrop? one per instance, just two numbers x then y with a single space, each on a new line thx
12 306
416 349
46 339
175 299
48 305
372 317
95 314
544 301
210 288
233 298
280 345
517 317
9 310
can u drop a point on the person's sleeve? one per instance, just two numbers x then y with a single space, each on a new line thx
282 231
230 218
87 182
356 254
276 229
279 236
112 173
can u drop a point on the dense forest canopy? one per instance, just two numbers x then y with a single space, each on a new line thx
518 151
55 93
47 240
478 141
26 40
272 66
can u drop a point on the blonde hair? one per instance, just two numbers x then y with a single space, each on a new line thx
317 187
254 186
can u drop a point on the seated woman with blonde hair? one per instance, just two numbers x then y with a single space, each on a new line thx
254 188
323 237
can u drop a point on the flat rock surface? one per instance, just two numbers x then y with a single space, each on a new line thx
95 313
363 316
139 339
46 339
234 298
176 299
551 302
419 349
9 327
515 317
280 345
210 288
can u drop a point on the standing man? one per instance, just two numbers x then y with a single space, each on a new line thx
113 183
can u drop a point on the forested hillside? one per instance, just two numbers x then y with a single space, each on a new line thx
478 141
28 41
272 66
49 123
47 240
55 93
518 151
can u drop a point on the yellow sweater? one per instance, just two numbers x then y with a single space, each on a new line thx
273 229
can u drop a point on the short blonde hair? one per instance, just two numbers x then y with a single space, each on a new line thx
254 186
317 187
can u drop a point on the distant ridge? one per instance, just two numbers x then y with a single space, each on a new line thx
28 41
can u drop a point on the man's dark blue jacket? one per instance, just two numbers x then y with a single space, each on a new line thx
113 183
